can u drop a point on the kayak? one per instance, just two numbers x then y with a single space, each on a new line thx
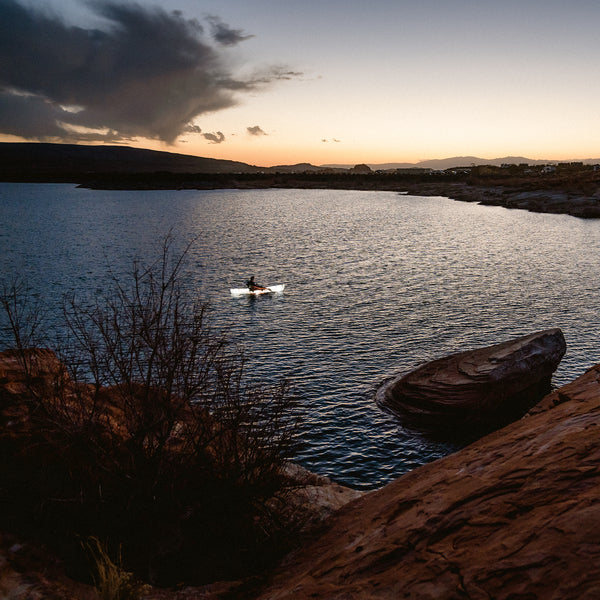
246 292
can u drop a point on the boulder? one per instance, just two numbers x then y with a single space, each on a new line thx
515 514
467 394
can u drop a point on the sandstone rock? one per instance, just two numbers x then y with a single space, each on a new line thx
474 392
514 515
315 497
43 366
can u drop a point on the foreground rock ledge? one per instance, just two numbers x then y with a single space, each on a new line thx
474 392
514 515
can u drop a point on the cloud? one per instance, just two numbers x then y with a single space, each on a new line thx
255 130
224 35
214 138
33 117
146 73
277 73
192 129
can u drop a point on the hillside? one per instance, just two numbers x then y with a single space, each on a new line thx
36 160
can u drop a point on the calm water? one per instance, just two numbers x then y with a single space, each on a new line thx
375 282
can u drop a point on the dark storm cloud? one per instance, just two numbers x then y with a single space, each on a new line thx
33 117
28 116
255 130
148 73
225 35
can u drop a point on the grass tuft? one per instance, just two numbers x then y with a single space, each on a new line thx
110 579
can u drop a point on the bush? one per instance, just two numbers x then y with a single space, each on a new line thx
150 439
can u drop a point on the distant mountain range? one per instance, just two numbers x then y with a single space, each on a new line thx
462 161
41 159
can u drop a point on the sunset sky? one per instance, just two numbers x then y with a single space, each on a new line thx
272 82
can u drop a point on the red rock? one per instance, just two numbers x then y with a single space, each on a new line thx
514 515
477 391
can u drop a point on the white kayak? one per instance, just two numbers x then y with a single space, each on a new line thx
246 292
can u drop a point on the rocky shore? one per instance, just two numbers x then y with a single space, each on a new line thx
515 514
578 196
556 201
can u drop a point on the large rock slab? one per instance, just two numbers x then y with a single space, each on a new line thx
514 515
474 392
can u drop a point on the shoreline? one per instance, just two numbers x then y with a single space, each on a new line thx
533 200
576 195
571 188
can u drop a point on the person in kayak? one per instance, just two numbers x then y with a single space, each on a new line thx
253 286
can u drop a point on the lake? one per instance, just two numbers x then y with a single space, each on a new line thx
376 282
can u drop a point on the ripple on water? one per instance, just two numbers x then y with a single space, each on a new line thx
376 283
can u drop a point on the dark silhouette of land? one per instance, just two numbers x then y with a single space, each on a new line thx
37 161
566 188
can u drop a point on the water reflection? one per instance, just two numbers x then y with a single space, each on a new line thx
376 282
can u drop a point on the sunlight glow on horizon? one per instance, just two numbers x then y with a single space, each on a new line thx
313 154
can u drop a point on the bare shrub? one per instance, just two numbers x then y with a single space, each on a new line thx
22 319
154 440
